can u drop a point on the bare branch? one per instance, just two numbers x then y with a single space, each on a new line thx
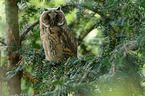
2 42
88 31
24 33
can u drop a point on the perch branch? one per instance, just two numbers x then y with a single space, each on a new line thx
24 33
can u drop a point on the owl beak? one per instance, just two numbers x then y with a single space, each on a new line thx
52 22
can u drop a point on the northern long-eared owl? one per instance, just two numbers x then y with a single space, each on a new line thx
58 41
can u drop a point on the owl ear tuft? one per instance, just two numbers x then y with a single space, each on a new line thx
45 9
58 8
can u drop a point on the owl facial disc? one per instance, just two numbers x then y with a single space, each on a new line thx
53 17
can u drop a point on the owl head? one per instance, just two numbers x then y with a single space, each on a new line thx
53 17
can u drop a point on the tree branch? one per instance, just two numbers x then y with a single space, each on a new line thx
2 42
66 8
24 33
88 31
95 9
70 6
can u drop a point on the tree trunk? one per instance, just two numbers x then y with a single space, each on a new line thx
0 77
13 42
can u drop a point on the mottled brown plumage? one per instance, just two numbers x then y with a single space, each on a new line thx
58 41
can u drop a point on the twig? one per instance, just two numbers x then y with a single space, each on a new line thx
24 33
2 42
126 48
84 74
113 68
66 65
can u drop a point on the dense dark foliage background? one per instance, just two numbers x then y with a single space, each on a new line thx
111 46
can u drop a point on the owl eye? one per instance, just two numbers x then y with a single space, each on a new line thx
46 17
58 17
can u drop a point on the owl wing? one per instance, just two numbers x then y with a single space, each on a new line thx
69 42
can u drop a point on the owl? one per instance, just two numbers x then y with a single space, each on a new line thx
58 41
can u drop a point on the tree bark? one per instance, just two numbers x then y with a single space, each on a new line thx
0 77
13 42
